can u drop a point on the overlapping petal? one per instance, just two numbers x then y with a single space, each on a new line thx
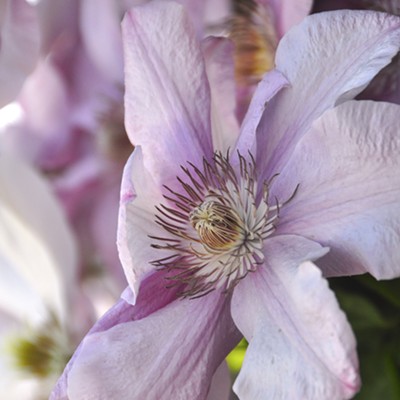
348 198
288 12
136 221
147 354
300 343
349 49
218 54
272 83
167 93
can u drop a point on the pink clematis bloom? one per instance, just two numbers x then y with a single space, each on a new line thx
223 234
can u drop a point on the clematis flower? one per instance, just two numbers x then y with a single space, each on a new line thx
223 235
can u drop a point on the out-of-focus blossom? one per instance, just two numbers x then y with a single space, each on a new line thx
72 121
71 124
217 245
19 46
386 85
255 27
42 311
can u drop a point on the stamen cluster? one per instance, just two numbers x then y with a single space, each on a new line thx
215 225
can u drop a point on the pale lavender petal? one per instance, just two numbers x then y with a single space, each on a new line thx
218 54
172 353
221 384
348 199
287 12
327 59
136 221
167 93
122 312
300 343
59 26
271 84
45 103
19 46
101 32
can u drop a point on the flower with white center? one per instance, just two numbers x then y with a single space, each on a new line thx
218 226
37 287
243 225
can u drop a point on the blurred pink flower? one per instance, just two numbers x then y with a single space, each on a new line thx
19 51
215 246
255 27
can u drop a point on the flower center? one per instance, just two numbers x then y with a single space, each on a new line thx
42 352
215 226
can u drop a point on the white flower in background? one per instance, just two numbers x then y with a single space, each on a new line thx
42 312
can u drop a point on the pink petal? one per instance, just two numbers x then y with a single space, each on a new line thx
19 46
136 221
288 12
272 83
167 94
44 100
221 384
348 198
300 343
59 25
218 54
328 58
101 33
172 353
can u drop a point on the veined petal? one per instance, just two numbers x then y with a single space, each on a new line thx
167 93
300 343
136 220
122 312
218 54
328 58
348 199
272 83
172 353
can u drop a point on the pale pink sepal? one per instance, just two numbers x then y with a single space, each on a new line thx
172 353
368 41
167 97
300 343
348 167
